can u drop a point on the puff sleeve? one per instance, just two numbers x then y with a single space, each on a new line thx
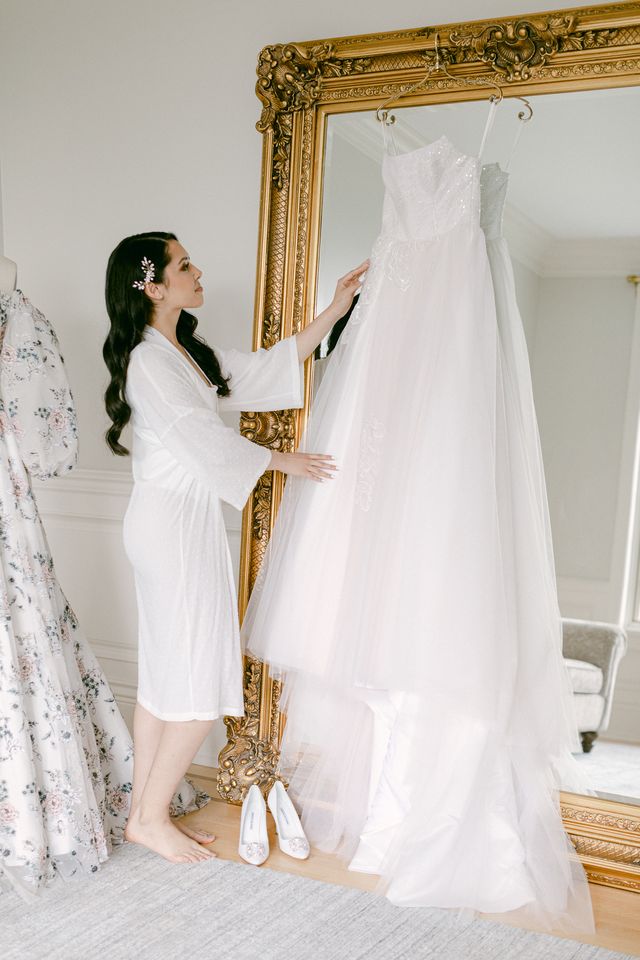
36 402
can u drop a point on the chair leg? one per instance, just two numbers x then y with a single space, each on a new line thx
588 739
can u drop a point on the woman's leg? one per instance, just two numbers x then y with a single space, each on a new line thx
149 823
147 731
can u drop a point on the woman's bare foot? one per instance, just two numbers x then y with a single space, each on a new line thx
202 836
163 837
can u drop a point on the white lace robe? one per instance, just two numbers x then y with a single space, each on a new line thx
185 462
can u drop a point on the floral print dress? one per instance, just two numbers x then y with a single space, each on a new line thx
66 758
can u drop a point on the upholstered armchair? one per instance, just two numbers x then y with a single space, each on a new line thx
592 653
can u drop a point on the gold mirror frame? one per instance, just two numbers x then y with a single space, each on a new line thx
300 85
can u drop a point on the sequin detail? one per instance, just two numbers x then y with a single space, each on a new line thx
369 291
430 191
298 845
254 851
399 265
372 435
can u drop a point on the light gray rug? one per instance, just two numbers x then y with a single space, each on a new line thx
138 907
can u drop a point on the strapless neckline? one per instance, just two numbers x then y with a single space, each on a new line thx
425 148
443 139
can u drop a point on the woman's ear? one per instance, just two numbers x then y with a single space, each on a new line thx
154 292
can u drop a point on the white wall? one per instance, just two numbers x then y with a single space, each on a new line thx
587 406
130 115
123 116
580 365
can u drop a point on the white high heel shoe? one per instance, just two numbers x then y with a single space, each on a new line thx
254 842
291 838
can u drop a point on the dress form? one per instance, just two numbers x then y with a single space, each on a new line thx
8 275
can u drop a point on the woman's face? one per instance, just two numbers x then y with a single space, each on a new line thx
180 288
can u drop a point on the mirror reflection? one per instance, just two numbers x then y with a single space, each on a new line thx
572 223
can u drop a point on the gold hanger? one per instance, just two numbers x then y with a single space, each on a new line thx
439 65
525 117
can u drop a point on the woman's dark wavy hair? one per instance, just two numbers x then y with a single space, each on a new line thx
129 311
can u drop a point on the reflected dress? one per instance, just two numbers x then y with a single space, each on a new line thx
185 463
414 587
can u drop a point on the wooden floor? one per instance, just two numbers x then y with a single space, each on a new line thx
617 912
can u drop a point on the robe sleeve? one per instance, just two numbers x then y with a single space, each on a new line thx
164 395
263 380
37 405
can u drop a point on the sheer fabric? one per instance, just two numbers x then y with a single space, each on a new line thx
66 760
410 604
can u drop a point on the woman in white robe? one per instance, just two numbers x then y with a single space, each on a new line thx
171 385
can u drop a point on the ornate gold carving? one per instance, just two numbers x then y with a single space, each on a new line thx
274 719
587 39
262 507
624 883
419 33
579 70
278 237
606 835
246 759
275 430
513 49
601 819
617 852
306 163
271 331
289 77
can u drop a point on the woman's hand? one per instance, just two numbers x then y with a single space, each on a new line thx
313 466
313 334
346 290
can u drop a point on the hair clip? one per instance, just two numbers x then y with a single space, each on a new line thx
149 274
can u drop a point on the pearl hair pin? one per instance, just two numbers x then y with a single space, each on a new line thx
149 273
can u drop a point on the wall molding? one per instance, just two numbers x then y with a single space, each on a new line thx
99 495
114 650
551 256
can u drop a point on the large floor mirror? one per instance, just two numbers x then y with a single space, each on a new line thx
572 221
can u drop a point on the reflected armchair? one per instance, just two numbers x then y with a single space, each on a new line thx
592 653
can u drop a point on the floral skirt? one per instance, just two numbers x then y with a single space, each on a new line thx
66 756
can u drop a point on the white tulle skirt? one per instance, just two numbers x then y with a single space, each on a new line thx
410 605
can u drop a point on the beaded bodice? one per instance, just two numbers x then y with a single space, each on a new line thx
429 191
493 192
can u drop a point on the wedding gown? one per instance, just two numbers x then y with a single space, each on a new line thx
412 594
66 757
